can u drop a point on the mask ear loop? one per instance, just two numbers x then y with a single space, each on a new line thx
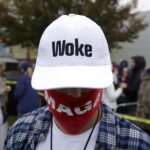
92 131
51 143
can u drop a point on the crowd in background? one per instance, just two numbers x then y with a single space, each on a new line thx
23 98
130 93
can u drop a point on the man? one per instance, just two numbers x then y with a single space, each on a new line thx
27 98
4 89
73 66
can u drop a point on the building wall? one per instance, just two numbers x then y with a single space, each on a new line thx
21 53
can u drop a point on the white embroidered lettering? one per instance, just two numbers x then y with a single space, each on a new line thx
65 109
87 106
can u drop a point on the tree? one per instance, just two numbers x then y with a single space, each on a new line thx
23 21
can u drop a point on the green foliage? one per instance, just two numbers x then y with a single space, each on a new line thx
23 21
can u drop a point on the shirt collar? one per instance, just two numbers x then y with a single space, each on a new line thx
107 129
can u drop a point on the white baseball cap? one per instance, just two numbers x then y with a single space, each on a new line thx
73 53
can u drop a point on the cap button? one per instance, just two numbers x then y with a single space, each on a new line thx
71 15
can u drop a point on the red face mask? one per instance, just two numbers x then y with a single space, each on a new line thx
73 113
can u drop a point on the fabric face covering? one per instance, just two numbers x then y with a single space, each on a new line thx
73 113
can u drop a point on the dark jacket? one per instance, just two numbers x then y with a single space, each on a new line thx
25 95
143 108
134 80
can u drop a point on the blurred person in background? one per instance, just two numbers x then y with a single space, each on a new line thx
138 64
4 89
143 107
27 98
115 75
130 94
123 64
111 93
123 78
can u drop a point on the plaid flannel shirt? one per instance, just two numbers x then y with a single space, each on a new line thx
115 133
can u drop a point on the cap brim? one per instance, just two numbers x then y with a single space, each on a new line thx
72 77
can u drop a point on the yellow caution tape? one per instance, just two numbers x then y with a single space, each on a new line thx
136 119
11 82
41 94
